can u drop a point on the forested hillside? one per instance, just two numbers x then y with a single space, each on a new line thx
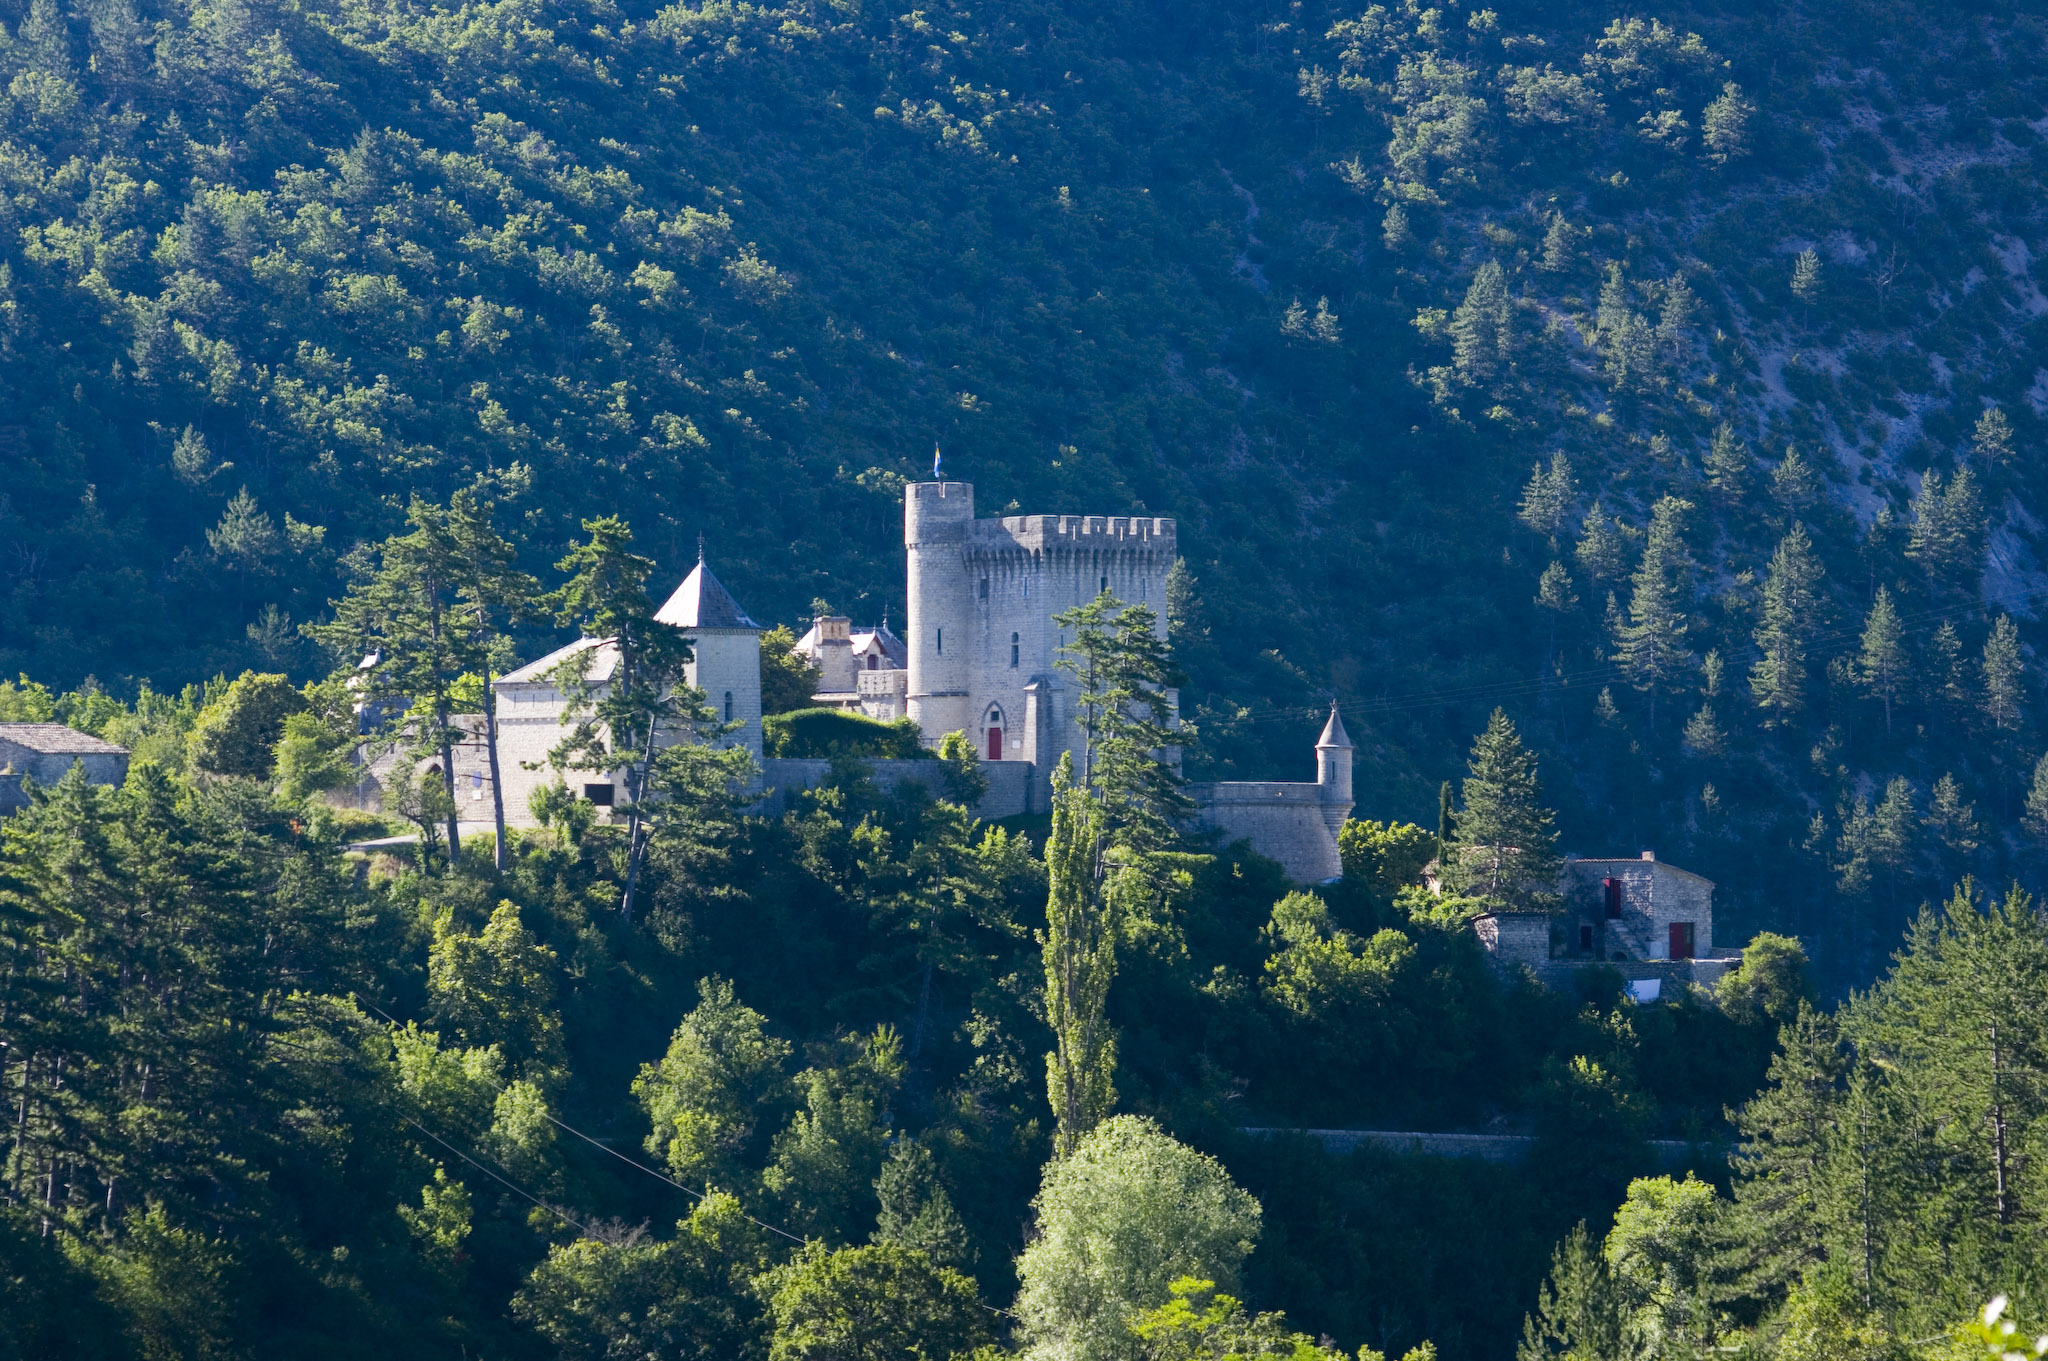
1324 283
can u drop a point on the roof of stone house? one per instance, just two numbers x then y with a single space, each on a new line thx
597 667
57 740
1636 860
880 640
702 602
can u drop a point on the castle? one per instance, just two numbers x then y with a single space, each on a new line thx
978 655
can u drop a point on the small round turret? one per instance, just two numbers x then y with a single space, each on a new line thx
1333 770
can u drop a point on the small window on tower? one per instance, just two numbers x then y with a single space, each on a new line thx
984 588
1013 649
939 641
1105 585
871 661
728 706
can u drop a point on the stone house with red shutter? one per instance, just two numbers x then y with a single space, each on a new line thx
1650 920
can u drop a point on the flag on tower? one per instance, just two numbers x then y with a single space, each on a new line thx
935 461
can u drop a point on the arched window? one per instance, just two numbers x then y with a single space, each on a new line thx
728 706
1013 649
871 661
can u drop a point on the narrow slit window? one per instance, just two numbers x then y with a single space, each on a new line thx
984 588
728 706
1015 646
939 641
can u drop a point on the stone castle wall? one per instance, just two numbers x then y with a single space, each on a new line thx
1283 822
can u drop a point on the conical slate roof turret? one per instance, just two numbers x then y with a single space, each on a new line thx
1333 732
702 602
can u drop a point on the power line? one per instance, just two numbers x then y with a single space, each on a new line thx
633 1163
515 1189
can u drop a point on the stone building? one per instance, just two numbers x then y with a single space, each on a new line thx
45 753
725 665
981 638
1651 920
862 670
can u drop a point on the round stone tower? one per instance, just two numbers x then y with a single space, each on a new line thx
936 517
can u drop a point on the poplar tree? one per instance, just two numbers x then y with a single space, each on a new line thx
1882 665
1791 595
1079 948
1505 844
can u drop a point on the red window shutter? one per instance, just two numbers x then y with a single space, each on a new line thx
1613 891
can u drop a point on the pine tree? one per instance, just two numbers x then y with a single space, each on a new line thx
2002 672
1724 125
1580 1313
1795 486
1651 645
1559 246
1482 337
1948 530
1124 671
1703 734
1791 596
1548 499
1788 1137
1554 590
1728 465
1890 843
192 461
1991 441
1882 666
1674 318
1505 846
1628 344
1951 821
616 719
1806 278
1603 548
1947 677
915 1209
2036 818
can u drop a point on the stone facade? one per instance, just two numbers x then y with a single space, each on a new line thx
45 752
981 639
1645 918
1295 824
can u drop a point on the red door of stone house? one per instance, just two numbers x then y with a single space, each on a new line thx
1681 940
995 744
1611 892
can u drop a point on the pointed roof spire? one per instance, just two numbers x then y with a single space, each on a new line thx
1333 732
702 602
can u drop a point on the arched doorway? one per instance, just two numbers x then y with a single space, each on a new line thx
994 723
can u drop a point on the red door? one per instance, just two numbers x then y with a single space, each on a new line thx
995 744
1681 940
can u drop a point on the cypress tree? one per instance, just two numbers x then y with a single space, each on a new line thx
1079 947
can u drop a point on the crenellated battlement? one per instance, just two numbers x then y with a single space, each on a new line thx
1052 533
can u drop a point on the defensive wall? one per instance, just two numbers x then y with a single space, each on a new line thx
1493 1148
